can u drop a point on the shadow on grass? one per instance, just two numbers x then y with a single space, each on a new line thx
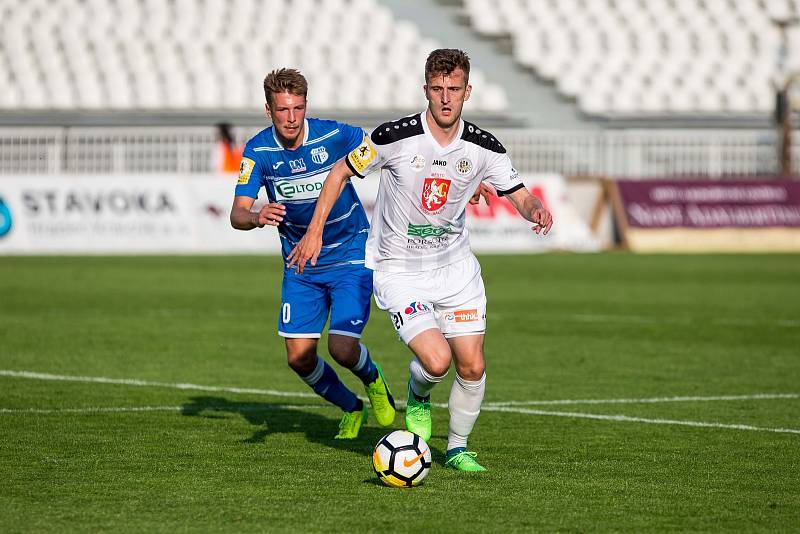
291 418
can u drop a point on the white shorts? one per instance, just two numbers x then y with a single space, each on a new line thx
451 298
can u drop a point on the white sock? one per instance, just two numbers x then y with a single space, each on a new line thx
422 381
316 374
466 397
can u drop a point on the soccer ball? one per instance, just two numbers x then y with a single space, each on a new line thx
401 459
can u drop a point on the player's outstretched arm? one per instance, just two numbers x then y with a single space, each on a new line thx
309 246
531 208
244 219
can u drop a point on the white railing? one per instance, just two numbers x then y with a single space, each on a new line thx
613 153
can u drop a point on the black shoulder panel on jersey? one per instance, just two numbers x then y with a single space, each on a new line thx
390 132
482 138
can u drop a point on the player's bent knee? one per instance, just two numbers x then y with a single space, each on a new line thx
472 372
432 351
344 349
437 366
301 355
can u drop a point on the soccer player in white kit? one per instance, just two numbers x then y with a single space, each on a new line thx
425 274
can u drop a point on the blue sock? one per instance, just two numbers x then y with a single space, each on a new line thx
365 368
455 450
325 383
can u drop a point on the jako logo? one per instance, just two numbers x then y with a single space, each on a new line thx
5 218
416 308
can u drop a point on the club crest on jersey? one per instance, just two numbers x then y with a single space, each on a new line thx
418 162
463 166
297 165
434 194
319 155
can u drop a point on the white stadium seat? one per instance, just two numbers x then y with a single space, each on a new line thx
667 51
208 54
665 56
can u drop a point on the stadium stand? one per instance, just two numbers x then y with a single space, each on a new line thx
634 57
210 54
134 86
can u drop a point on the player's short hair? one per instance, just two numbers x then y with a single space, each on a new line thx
443 61
285 81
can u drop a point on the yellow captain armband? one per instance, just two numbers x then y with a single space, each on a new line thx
245 169
362 156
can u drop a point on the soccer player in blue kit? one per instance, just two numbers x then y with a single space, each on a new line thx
291 160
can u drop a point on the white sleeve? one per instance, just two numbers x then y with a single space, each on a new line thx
501 174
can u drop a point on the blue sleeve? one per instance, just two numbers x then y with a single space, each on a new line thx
251 174
351 136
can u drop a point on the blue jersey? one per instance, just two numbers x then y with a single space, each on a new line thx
294 178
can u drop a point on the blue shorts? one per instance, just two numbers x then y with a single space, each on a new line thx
306 299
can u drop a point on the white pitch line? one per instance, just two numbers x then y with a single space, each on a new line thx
192 408
651 400
302 394
496 407
148 383
625 418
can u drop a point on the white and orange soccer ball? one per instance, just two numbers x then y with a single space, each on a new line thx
401 459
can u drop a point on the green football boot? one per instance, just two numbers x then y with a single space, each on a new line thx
464 461
351 423
381 399
418 415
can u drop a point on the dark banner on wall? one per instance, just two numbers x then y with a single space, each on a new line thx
693 215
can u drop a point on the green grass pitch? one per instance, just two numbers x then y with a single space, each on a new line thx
84 455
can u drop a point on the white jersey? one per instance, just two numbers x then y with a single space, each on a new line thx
419 216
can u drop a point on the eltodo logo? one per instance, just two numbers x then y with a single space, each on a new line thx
5 218
302 189
415 308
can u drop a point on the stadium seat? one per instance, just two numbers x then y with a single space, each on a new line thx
699 53
185 54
